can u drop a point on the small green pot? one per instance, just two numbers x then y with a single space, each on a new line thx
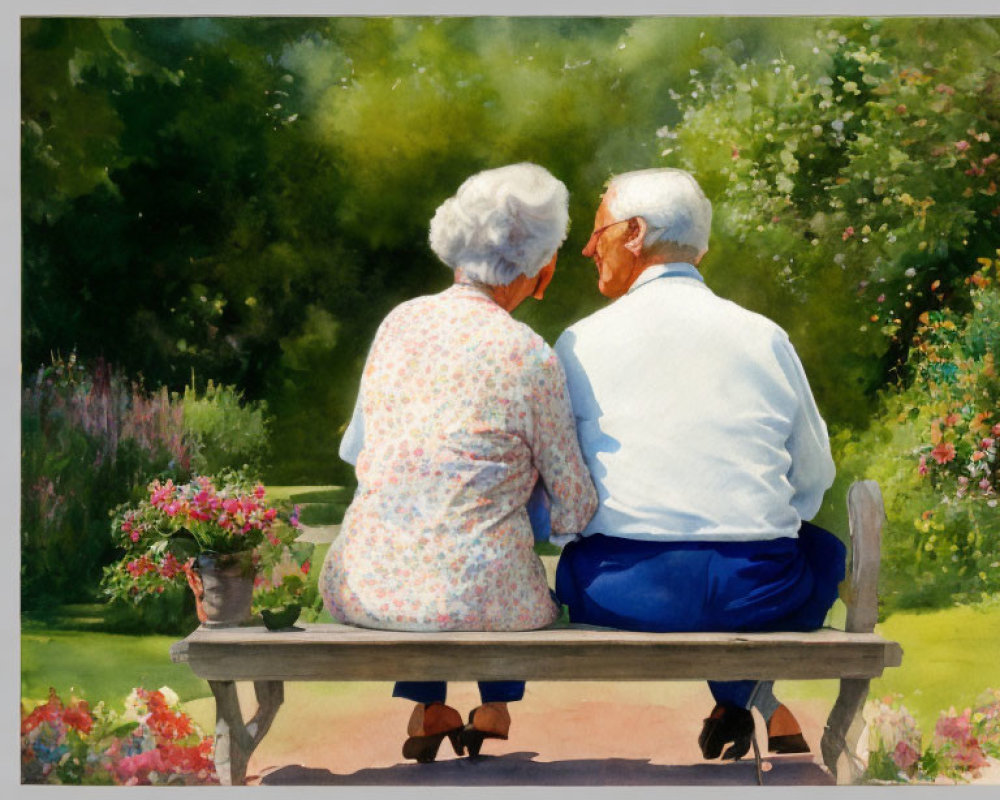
276 619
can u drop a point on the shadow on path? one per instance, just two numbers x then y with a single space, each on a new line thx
520 769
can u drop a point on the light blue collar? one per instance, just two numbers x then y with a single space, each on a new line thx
676 269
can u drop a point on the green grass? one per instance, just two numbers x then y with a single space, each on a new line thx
286 492
949 658
100 666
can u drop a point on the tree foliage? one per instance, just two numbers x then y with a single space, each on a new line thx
247 199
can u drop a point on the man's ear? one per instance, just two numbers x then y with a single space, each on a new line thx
636 234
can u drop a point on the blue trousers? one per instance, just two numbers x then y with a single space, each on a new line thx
436 691
785 584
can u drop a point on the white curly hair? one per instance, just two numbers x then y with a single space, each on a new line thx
502 223
670 200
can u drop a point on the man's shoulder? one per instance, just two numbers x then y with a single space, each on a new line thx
624 313
748 319
595 324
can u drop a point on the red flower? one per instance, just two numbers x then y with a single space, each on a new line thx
306 566
50 712
78 717
943 453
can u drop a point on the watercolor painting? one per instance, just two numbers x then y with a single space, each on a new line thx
224 219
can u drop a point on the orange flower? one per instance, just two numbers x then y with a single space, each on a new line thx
943 453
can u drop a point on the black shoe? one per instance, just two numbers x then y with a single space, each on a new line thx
726 723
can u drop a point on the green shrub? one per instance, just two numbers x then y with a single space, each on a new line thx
221 431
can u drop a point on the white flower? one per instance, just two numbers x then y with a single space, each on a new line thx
132 706
170 696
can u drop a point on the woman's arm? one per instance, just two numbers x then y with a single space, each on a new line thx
555 448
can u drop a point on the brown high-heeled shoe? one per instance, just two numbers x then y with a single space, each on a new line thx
488 721
784 734
428 725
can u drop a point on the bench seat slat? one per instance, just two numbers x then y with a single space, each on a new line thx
343 653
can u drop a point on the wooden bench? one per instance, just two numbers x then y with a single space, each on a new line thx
330 652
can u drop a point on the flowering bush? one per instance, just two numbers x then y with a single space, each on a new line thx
151 742
958 749
88 439
289 582
162 535
933 450
852 189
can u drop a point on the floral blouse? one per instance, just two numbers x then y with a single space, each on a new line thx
461 410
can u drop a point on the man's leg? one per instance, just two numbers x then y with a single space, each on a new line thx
500 691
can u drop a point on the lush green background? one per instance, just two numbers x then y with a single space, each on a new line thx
240 201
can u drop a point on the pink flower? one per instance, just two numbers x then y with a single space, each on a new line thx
962 145
996 429
988 443
985 486
905 755
954 726
922 468
848 233
881 298
259 491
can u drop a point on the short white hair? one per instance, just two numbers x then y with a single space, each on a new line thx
502 223
670 200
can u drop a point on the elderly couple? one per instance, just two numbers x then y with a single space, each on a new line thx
670 443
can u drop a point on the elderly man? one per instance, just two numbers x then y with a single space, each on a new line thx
704 442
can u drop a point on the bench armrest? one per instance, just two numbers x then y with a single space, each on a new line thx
866 513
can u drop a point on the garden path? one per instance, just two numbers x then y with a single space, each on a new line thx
582 734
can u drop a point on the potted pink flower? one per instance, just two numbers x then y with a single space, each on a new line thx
215 533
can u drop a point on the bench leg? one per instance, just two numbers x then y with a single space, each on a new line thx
840 737
235 740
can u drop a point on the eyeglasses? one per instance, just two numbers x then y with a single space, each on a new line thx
596 235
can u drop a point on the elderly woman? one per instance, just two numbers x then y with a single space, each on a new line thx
462 410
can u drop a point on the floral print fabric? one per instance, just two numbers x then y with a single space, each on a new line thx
463 409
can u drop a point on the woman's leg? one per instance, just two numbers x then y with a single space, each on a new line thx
425 692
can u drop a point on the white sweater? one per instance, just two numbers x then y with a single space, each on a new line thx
694 416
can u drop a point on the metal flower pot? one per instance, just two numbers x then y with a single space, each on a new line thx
226 589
